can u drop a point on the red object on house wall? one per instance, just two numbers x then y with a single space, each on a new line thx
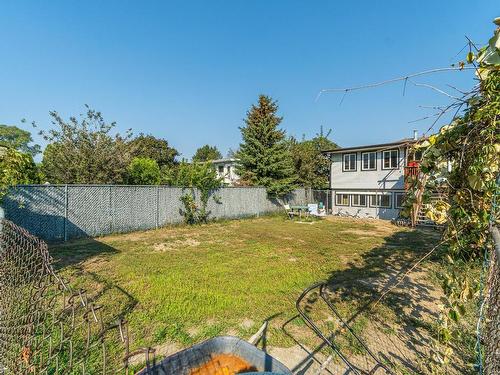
411 171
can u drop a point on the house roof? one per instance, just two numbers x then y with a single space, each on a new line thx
401 142
224 160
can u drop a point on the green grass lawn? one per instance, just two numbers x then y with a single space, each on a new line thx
183 284
179 285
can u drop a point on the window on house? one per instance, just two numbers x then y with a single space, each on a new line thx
359 200
349 162
369 161
221 169
414 155
390 159
381 200
228 169
342 199
398 200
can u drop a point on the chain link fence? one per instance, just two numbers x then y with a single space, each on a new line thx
491 338
63 212
46 327
321 196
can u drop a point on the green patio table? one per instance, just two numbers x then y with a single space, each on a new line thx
300 209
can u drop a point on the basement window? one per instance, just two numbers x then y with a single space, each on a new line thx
342 199
380 200
398 200
359 200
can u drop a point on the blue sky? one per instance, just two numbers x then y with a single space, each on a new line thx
188 71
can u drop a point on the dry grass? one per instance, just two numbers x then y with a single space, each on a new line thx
179 285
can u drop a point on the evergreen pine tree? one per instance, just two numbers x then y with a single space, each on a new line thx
264 155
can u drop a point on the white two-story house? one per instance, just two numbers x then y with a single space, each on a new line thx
369 181
226 170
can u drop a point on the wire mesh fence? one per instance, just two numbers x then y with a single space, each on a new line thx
323 197
63 212
491 321
46 327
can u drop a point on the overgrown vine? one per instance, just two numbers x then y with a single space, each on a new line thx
200 183
463 160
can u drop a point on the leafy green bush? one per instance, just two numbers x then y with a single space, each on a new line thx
16 168
192 176
143 171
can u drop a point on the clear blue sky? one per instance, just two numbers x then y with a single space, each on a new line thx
188 70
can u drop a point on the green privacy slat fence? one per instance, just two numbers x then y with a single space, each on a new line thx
63 212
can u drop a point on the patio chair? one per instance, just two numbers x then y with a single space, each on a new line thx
289 211
321 209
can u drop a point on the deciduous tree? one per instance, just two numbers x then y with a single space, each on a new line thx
16 168
157 149
311 165
143 171
84 151
18 139
207 153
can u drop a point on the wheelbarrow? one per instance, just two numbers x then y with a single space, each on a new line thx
222 355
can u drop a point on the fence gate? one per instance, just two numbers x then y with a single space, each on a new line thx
323 196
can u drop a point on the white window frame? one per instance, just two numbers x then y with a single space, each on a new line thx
341 195
390 158
355 162
396 199
359 195
378 204
374 168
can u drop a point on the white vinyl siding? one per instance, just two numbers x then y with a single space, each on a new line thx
369 161
342 199
390 159
359 200
349 162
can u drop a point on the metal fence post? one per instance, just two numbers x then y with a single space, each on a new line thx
110 209
2 216
65 226
157 219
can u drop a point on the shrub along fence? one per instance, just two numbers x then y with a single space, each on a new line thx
63 212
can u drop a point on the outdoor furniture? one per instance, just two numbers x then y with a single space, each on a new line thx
289 211
321 209
300 209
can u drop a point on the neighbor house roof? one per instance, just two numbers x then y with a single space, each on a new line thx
401 142
224 160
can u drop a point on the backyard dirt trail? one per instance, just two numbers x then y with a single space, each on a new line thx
404 341
397 330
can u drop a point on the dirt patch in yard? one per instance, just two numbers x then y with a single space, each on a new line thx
396 330
176 244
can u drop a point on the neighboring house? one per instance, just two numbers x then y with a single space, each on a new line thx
369 181
226 169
